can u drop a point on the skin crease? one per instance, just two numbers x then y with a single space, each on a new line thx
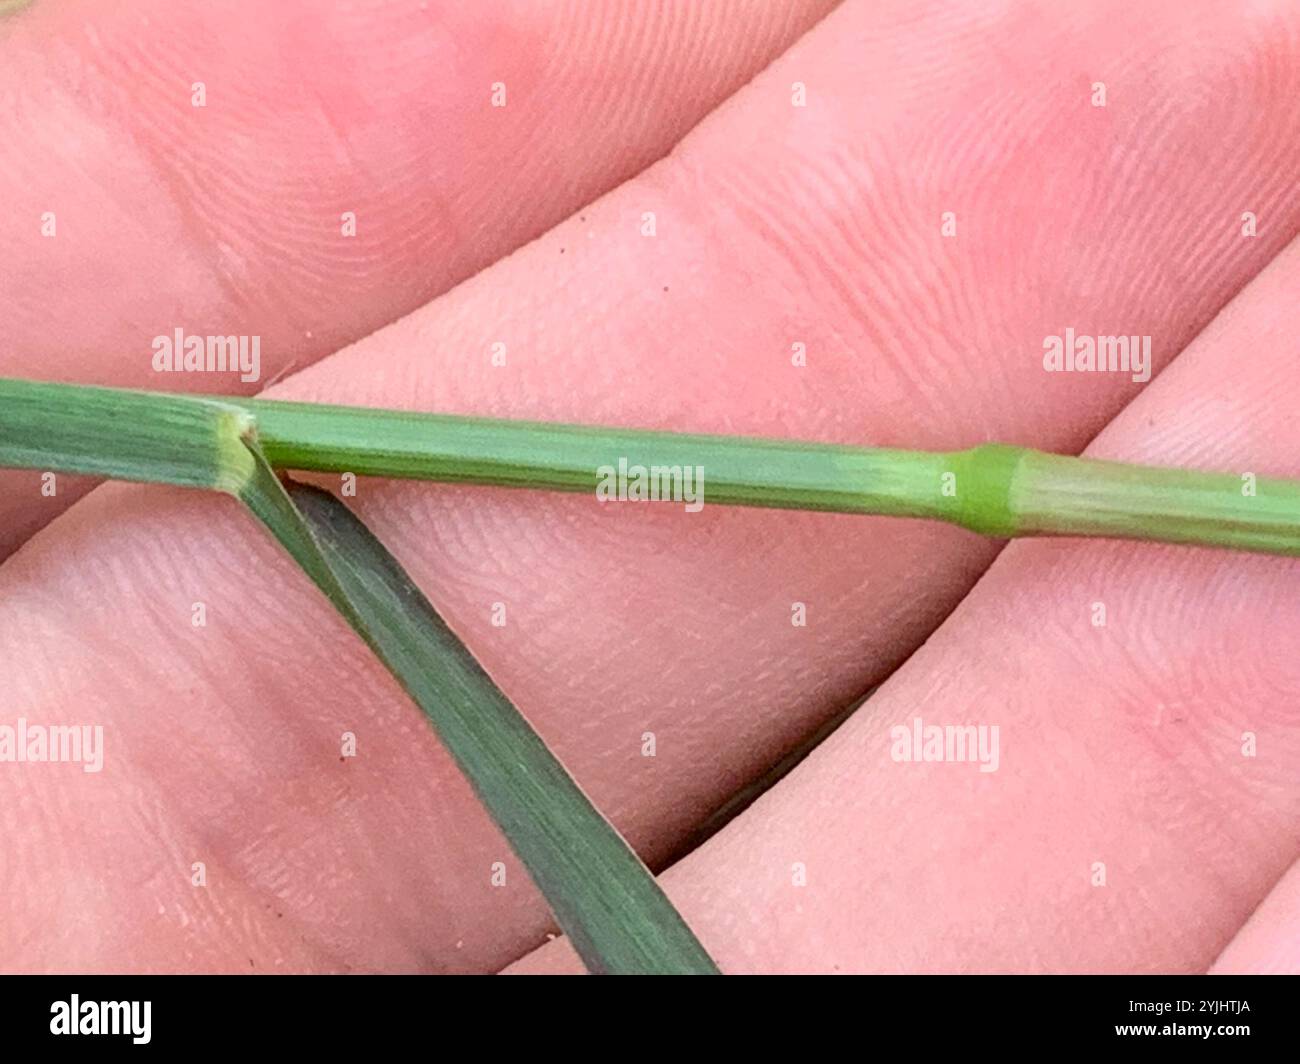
773 225
1120 744
1269 943
226 219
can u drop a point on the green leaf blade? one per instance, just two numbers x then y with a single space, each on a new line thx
603 897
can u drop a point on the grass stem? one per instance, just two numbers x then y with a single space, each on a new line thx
994 489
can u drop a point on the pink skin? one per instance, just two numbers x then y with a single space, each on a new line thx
227 219
774 225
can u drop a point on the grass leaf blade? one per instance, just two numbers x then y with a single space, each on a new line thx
603 897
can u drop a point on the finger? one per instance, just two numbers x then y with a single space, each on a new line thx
1145 800
773 225
304 174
